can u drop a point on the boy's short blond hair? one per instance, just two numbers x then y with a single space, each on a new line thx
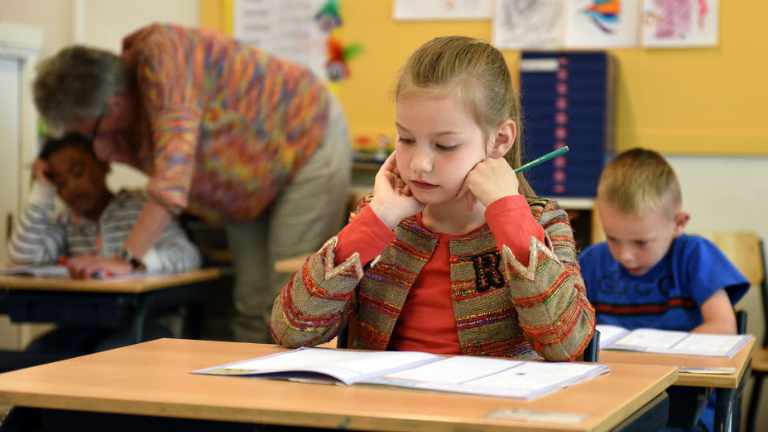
638 180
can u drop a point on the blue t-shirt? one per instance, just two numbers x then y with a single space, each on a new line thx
669 296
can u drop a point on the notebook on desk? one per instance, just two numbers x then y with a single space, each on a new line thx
49 271
57 271
671 342
459 374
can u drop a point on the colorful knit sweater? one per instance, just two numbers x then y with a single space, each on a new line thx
542 311
223 126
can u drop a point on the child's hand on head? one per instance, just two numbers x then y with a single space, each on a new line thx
490 180
392 198
40 172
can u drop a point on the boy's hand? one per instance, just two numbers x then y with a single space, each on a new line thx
491 179
96 267
392 198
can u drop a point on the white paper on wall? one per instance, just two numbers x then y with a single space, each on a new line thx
602 23
537 24
443 9
285 28
680 23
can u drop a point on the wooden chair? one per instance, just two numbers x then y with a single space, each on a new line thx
746 251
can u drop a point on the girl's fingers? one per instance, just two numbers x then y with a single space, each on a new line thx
470 201
390 164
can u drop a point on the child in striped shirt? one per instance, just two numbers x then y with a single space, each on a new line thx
89 232
95 223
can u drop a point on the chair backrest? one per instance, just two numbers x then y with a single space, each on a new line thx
746 250
741 322
592 351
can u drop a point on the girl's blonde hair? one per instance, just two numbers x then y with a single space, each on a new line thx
639 180
476 72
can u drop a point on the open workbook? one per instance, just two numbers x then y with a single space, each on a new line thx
56 271
670 342
53 270
459 374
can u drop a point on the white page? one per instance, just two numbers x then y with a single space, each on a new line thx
454 370
285 28
610 334
537 375
710 344
651 340
347 366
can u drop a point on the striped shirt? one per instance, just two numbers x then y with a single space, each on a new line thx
44 233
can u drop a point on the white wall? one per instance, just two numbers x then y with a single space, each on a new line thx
104 23
53 16
723 194
727 194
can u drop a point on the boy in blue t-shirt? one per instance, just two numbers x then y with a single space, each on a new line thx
649 273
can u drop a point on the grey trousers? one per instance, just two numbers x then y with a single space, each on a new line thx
308 212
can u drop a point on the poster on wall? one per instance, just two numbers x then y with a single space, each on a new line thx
528 24
602 23
285 28
680 23
443 9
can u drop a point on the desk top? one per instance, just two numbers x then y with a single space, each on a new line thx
740 362
154 378
132 285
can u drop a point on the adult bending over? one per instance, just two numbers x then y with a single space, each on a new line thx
223 130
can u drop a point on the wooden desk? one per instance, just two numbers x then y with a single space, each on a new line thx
727 385
740 362
131 285
153 379
117 303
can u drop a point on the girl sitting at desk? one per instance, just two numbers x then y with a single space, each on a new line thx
454 253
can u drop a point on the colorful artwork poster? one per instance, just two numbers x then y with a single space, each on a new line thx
680 23
530 24
442 9
602 23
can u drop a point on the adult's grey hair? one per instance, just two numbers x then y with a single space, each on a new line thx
76 84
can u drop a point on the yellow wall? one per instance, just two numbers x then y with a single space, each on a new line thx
696 101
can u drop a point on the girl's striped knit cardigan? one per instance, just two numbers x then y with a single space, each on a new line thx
539 309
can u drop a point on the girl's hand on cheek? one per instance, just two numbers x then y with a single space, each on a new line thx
491 180
393 200
466 195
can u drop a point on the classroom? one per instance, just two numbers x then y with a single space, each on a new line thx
699 105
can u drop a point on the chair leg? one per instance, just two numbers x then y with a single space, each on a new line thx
754 401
